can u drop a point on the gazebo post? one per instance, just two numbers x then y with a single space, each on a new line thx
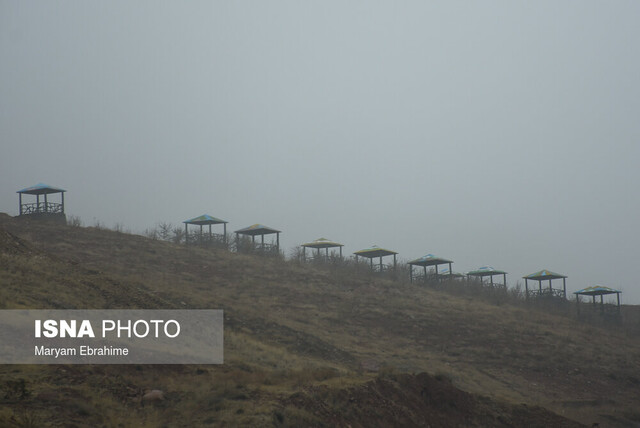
224 237
526 289
62 194
262 242
380 263
20 201
411 273
578 303
540 286
425 273
278 241
371 262
491 276
601 303
186 233
618 296
210 235
437 277
550 289
340 251
564 287
46 208
37 203
394 262
504 277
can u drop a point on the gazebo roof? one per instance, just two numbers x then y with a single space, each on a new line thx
322 243
429 260
257 229
486 271
40 189
205 219
544 274
597 290
374 251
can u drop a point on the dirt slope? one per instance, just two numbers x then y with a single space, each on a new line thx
297 334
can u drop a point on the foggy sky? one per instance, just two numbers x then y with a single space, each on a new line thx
499 133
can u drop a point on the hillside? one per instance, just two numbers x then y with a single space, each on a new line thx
306 345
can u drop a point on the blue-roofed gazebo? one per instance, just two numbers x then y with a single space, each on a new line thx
425 261
42 207
545 275
258 230
598 290
205 220
377 252
490 272
319 244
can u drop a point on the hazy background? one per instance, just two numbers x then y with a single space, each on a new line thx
498 133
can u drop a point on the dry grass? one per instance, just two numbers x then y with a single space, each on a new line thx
290 325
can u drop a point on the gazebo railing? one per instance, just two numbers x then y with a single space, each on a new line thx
429 277
545 292
205 239
381 268
41 207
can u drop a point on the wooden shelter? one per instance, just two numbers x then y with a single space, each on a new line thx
204 239
425 261
597 290
319 244
377 252
490 272
545 275
259 230
42 207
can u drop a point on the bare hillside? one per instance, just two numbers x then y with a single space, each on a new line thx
306 345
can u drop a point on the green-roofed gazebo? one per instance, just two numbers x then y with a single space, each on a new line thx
545 275
376 252
319 244
259 230
205 220
428 260
598 290
42 207
488 271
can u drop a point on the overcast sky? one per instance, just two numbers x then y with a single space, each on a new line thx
499 133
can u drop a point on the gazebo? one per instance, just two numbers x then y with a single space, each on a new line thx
319 244
597 290
42 207
428 260
490 272
545 275
375 252
259 230
204 220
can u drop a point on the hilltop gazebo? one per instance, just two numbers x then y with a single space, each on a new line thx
428 260
597 290
205 220
545 275
42 208
259 230
376 252
319 244
490 272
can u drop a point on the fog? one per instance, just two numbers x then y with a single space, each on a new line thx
499 133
